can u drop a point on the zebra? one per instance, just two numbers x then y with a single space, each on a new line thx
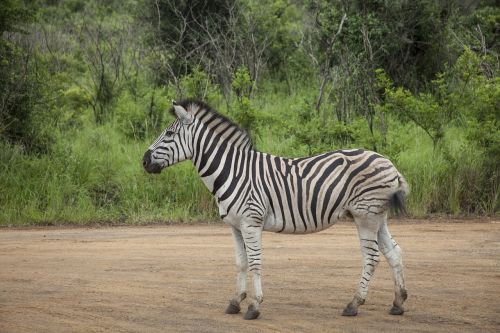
256 192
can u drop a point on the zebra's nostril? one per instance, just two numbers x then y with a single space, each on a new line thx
146 159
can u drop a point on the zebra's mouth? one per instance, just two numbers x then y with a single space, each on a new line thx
153 168
148 166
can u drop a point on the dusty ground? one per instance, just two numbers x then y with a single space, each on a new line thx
179 278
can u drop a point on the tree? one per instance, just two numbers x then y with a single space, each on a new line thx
22 81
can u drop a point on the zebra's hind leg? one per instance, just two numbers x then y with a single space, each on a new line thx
368 227
242 265
393 255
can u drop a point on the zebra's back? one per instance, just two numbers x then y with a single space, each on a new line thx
310 194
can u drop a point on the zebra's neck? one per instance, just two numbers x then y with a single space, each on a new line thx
222 161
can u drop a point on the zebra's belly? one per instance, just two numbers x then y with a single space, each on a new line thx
299 219
229 218
296 225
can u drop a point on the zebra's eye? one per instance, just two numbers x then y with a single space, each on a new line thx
169 133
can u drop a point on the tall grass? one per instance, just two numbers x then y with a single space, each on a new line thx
422 167
447 179
94 174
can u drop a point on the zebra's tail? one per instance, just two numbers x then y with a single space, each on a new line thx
397 199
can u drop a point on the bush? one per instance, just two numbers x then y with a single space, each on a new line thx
244 113
142 117
198 84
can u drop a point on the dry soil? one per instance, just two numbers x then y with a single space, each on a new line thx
179 278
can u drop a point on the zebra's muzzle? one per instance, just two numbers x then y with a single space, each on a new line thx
148 166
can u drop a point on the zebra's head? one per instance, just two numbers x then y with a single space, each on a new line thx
173 145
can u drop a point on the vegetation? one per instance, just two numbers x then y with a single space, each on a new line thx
85 85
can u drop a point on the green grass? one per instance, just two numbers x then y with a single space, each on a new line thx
94 175
445 180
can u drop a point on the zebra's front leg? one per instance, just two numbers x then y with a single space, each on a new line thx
252 235
242 266
367 231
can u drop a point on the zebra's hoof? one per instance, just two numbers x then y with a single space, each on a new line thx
252 313
233 308
350 311
396 310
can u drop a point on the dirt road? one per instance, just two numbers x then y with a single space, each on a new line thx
179 279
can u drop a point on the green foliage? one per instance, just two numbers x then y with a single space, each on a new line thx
85 85
109 185
26 114
446 181
198 84
142 117
13 16
319 136
244 114
277 24
423 110
242 83
462 97
172 18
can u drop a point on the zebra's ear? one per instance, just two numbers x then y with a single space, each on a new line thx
185 117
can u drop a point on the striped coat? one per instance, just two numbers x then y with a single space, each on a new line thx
257 192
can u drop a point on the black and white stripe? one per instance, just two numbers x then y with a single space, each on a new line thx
257 192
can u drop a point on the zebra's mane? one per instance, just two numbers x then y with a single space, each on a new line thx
200 108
